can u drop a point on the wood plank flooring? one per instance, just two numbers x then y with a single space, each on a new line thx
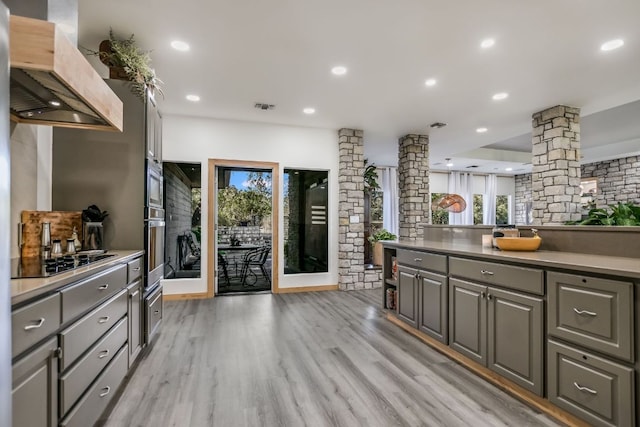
312 359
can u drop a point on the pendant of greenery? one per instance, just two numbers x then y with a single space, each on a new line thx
124 54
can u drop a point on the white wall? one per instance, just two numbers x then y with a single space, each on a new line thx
192 139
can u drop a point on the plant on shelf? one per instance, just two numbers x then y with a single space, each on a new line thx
622 214
375 239
126 61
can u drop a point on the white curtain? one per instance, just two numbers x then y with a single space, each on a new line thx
389 184
489 199
461 183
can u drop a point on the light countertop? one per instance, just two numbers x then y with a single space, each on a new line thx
599 264
25 289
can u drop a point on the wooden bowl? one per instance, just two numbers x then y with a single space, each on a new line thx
518 243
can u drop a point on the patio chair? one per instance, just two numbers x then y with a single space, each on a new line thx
255 258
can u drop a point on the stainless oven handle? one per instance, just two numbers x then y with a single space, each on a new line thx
155 223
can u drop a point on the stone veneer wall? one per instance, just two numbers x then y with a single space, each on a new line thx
522 197
556 165
413 184
351 203
618 180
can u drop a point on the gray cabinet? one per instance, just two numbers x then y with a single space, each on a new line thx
35 387
34 322
594 388
407 297
154 131
468 319
500 329
134 314
153 314
433 305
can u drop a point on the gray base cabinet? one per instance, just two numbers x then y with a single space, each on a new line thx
35 387
407 303
432 305
468 319
134 315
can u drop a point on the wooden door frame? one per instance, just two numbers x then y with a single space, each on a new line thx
275 217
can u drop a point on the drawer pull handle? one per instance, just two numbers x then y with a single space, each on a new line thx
585 312
106 391
156 312
103 354
103 287
417 260
585 389
486 272
36 326
103 319
136 269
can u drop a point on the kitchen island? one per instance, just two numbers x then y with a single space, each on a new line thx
557 329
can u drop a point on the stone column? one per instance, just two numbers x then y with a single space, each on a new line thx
413 185
555 179
351 206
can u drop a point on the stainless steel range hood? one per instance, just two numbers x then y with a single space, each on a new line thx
52 83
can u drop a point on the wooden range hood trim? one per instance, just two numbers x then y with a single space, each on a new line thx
40 46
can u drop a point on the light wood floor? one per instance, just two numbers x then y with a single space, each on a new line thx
313 359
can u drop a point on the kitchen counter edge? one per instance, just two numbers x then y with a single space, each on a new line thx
597 264
26 289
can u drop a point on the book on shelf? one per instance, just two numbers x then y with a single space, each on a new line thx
394 268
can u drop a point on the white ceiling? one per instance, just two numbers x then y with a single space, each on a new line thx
281 52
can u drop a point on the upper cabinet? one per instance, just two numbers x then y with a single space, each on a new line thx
154 131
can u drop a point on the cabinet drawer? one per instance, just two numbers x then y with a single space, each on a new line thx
509 276
96 399
134 269
594 312
34 322
153 313
76 380
81 297
595 389
76 339
424 260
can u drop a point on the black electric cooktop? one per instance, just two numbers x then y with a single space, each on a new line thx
23 268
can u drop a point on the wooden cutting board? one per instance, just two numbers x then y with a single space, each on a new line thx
62 223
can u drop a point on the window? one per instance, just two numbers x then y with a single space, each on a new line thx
438 216
502 209
306 221
477 209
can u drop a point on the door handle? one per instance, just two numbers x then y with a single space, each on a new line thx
106 391
585 312
36 326
585 389
136 269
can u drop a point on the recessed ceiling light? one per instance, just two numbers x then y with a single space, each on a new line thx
449 163
55 103
180 45
612 44
431 82
309 110
339 70
508 169
193 98
487 43
500 96
481 130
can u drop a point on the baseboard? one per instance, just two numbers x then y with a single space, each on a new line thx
183 297
306 289
539 403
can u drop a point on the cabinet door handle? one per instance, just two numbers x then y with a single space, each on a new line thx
585 389
585 312
486 272
103 319
136 269
36 326
156 312
417 260
482 295
103 354
106 391
103 287
489 296
417 276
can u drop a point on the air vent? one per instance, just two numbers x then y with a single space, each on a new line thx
437 125
262 106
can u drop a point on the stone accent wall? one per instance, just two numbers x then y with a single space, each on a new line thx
522 197
413 184
556 165
373 278
618 180
351 193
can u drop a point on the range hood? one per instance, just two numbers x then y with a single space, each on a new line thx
52 83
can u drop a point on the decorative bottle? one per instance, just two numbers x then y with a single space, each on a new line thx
76 241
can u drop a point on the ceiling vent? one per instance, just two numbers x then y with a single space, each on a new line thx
262 106
437 125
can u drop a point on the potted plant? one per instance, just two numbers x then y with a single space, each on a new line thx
126 61
622 214
375 238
